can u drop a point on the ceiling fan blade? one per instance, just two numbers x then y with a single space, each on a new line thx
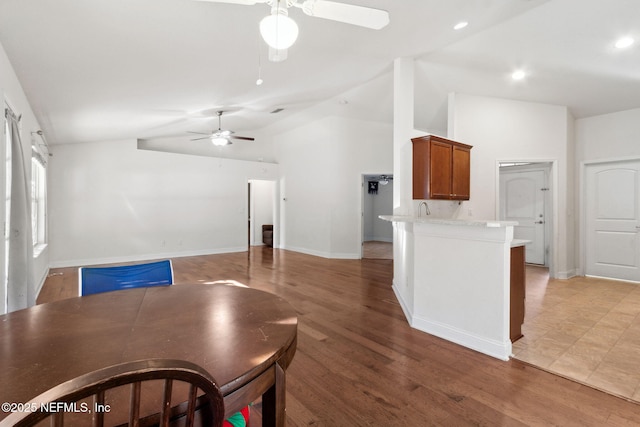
199 133
243 2
198 139
245 138
348 13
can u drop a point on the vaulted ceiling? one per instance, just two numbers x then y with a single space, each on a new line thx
97 70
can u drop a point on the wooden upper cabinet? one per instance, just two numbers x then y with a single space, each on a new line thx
441 168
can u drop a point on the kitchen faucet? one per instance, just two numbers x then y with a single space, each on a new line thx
426 208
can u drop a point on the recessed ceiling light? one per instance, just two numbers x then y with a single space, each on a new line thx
518 75
624 42
460 25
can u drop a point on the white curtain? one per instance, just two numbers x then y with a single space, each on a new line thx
20 283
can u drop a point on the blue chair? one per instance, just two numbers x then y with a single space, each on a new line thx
94 280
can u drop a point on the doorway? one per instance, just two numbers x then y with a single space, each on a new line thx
524 198
261 213
377 199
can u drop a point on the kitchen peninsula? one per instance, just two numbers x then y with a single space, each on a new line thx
452 279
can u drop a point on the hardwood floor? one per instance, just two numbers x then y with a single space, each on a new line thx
359 363
377 250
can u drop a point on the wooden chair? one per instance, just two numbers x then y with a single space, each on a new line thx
204 408
93 280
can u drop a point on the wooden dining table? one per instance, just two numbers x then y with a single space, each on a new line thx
245 338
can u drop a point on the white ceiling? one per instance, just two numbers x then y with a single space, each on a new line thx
98 70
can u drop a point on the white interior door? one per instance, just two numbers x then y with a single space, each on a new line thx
612 195
522 199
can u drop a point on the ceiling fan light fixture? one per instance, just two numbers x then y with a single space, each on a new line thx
460 25
624 42
518 75
278 30
219 141
384 179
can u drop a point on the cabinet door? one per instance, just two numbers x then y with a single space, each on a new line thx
420 169
440 170
460 178
518 292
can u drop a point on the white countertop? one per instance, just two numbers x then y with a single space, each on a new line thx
519 242
448 221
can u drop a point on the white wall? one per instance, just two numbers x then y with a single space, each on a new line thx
501 129
321 166
110 202
608 136
12 93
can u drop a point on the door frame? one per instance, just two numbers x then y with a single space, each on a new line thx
250 209
551 204
363 193
537 169
582 221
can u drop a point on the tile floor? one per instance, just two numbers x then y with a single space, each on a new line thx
586 329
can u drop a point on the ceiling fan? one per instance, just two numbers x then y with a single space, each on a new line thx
384 179
280 32
221 136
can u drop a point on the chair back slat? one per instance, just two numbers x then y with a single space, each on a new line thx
134 404
193 395
98 416
57 420
166 403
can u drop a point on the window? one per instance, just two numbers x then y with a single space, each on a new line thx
38 200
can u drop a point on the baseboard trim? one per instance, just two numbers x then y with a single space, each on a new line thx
328 255
484 345
408 312
142 257
564 275
41 283
378 239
